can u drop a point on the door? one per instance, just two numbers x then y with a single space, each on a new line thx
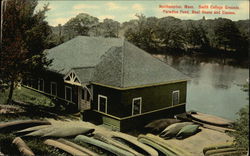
83 99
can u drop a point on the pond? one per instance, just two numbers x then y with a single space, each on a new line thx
215 85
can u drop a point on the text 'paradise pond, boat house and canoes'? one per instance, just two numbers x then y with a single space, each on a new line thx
113 82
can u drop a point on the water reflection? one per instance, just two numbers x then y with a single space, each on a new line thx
214 83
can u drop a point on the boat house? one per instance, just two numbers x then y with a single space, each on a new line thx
113 82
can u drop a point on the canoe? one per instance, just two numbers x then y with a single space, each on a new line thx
218 146
78 147
18 125
64 147
165 146
187 130
210 119
134 143
173 129
232 153
156 146
68 131
22 147
41 132
111 148
111 141
223 150
159 125
31 129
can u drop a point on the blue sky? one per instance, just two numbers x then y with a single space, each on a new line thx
61 11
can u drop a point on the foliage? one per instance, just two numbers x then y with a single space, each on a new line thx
25 36
80 25
241 126
107 28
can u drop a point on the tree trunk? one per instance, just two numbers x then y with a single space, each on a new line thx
11 92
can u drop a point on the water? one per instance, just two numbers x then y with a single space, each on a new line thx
214 87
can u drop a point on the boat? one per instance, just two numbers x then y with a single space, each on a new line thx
68 131
31 129
162 145
64 147
159 125
78 147
111 148
22 147
41 132
209 119
20 124
173 129
186 131
111 141
134 143
218 146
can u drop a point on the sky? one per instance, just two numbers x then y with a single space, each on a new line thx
61 10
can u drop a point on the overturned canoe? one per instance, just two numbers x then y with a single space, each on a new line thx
68 131
111 141
64 147
78 147
22 147
187 130
210 119
18 125
162 145
159 125
218 146
224 150
173 129
31 129
42 132
113 149
132 141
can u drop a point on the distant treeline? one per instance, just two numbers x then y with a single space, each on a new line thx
164 35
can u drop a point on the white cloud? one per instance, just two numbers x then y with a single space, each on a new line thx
102 17
243 10
138 7
57 21
85 6
114 6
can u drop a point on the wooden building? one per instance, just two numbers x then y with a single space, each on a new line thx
113 82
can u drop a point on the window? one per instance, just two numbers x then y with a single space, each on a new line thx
68 93
41 84
53 88
136 106
102 103
175 97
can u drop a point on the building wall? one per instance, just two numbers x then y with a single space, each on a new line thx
113 99
153 98
49 77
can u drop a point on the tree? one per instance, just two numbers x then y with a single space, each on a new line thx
170 33
241 126
196 36
141 32
25 36
80 25
108 28
227 35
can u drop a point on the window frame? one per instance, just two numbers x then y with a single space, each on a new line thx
175 91
133 100
71 94
106 103
51 88
39 84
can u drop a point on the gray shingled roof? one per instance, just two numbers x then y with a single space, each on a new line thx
111 61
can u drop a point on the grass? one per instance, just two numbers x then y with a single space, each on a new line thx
27 96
